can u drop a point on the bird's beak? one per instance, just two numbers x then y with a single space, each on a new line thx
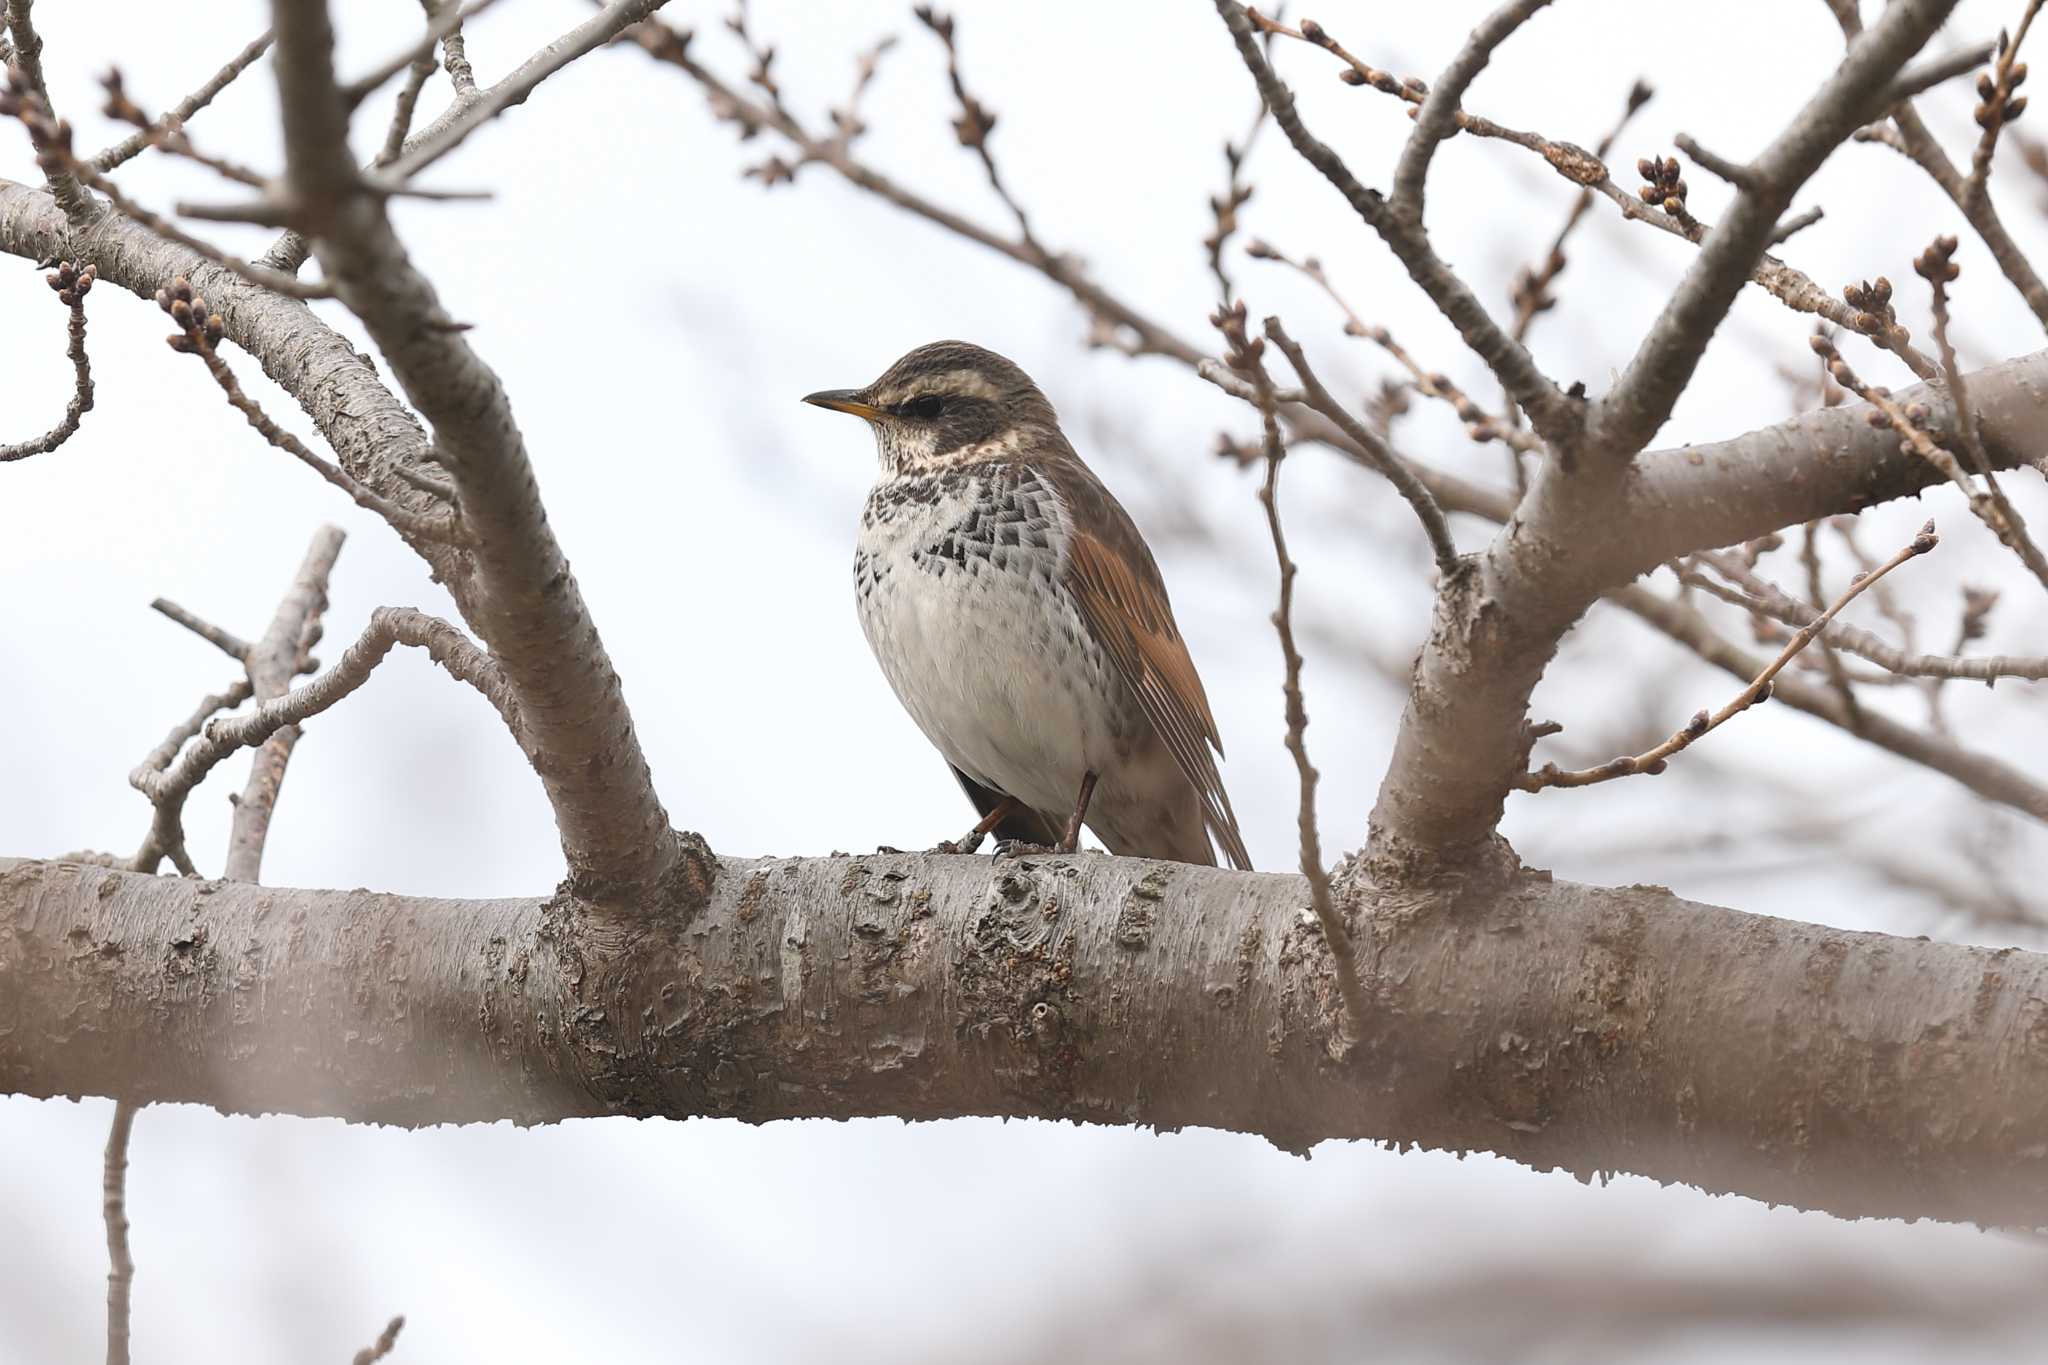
843 400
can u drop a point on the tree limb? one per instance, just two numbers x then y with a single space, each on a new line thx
523 600
1562 1026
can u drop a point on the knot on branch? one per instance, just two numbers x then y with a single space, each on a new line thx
1575 163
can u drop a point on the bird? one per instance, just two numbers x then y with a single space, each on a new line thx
1022 622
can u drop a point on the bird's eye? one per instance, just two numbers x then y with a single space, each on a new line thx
925 407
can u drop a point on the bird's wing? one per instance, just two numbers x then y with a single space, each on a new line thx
1112 576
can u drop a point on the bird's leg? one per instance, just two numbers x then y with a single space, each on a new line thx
971 840
1072 840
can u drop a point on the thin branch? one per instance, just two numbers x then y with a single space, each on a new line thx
1760 597
272 662
171 771
1796 224
168 134
1998 105
444 19
234 646
403 109
1991 507
1909 136
1831 664
1984 774
28 60
200 335
1920 79
166 837
1437 117
975 122
114 1210
1653 760
449 131
1532 284
71 286
388 627
137 143
1555 417
1397 473
382 1346
455 51
1242 355
1481 425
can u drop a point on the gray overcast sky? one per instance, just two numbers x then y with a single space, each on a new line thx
655 319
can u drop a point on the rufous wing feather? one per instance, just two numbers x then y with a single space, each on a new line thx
1114 579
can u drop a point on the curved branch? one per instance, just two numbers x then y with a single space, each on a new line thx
523 601
1561 1026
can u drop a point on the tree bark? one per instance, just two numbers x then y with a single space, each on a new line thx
1566 1027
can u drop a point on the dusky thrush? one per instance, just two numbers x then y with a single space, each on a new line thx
1022 622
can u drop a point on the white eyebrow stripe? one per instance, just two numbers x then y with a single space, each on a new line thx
971 383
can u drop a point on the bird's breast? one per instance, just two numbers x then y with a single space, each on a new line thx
961 595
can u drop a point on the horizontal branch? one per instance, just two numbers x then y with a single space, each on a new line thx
1562 1026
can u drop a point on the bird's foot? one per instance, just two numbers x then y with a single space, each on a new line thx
966 843
1021 848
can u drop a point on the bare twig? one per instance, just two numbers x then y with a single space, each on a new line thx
975 122
1237 191
272 662
1481 425
139 142
1998 105
1241 353
455 52
1990 506
201 333
234 646
71 286
1920 79
1702 723
389 626
444 20
403 109
382 1346
1532 294
1838 676
1556 418
1397 473
449 131
166 837
1761 597
168 134
1984 774
28 61
114 1208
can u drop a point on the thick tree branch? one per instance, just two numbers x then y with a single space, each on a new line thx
523 600
1564 1027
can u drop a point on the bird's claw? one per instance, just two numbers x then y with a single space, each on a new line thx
1020 848
966 843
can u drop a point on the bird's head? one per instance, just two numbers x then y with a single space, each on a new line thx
946 404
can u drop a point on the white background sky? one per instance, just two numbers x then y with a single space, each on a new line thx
655 320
